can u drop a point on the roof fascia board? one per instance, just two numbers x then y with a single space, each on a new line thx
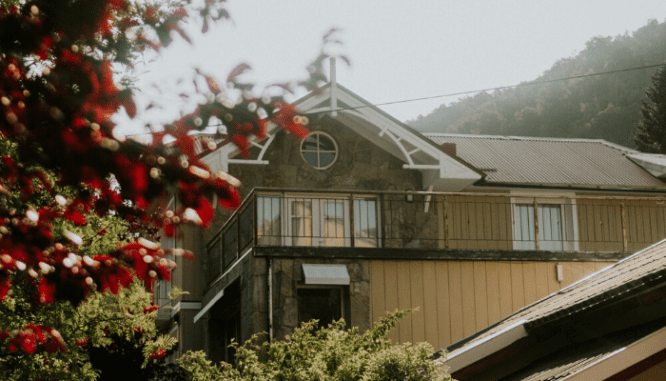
623 358
486 347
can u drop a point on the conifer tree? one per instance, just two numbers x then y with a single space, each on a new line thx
650 131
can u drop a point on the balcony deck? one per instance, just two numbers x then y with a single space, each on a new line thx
393 225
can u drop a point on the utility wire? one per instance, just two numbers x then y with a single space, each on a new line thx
481 90
491 89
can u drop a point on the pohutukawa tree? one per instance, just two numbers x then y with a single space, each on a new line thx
65 172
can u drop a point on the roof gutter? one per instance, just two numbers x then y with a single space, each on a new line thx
486 347
484 183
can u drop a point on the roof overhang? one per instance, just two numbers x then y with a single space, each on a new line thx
486 347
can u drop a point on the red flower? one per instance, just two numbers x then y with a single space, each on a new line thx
73 215
158 354
46 291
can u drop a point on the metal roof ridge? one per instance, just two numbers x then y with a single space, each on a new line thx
536 138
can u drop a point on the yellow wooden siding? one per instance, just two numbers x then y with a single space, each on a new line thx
474 222
486 222
458 298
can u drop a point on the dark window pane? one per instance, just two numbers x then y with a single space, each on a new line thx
269 221
311 158
323 304
310 144
214 259
230 248
247 226
326 144
326 159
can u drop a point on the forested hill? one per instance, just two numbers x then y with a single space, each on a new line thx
604 106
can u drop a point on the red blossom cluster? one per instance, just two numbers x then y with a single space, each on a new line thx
30 337
57 96
158 354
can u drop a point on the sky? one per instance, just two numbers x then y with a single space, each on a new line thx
399 50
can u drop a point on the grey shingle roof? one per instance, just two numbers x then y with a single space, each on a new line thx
550 161
577 357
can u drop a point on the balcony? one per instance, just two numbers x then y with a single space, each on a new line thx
436 221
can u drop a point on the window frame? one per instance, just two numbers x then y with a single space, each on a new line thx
569 221
319 150
345 299
317 220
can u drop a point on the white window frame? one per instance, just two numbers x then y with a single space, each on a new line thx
567 220
317 218
319 150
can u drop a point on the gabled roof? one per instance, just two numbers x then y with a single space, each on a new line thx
630 277
442 170
587 163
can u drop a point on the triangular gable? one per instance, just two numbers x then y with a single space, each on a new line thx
441 170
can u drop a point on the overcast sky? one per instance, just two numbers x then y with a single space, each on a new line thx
398 49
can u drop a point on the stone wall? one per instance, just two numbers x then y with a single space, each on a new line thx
360 166
288 275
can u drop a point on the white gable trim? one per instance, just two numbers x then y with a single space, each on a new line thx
441 171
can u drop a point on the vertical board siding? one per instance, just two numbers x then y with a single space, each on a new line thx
479 222
391 294
458 298
480 295
443 307
404 301
456 305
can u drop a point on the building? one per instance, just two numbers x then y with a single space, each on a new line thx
608 326
367 216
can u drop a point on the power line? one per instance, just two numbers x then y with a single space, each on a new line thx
483 90
492 89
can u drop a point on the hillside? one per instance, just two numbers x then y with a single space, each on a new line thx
604 106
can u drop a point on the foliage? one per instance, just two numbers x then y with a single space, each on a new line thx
650 131
80 205
603 106
330 353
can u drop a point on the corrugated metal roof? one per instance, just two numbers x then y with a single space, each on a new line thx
550 161
645 267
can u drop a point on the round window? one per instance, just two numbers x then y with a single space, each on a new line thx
319 150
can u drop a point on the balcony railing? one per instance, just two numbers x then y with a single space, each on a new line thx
500 221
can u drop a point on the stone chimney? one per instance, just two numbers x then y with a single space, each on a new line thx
450 148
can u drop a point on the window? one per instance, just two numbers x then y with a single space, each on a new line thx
324 304
556 226
319 150
366 232
269 220
316 221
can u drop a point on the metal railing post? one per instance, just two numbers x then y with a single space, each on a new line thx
446 224
625 242
536 224
352 227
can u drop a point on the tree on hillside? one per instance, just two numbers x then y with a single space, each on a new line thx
598 106
650 131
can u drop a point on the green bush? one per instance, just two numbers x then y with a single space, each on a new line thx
327 354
